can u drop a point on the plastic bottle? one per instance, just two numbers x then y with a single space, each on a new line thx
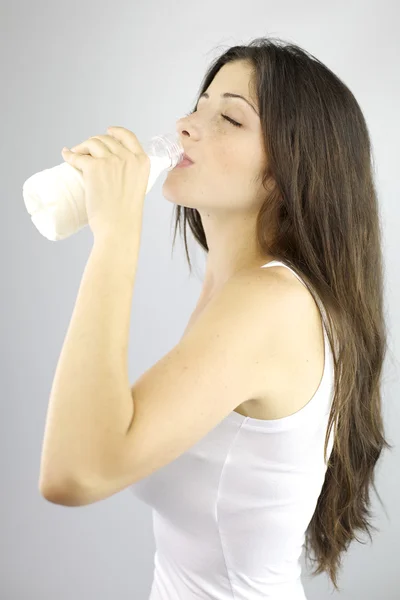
55 197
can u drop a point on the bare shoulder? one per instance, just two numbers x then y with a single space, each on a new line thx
278 305
272 298
273 288
294 370
272 283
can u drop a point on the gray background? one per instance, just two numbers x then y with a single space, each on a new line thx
70 69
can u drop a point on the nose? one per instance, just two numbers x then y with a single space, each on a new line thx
182 126
187 128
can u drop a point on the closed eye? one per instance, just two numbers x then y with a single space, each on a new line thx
235 123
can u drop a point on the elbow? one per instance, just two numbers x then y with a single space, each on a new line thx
64 494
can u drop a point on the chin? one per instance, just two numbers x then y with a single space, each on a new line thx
174 195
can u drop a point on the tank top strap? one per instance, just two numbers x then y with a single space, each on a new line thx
274 263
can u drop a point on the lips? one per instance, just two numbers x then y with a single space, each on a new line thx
187 157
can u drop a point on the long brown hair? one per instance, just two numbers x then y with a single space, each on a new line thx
322 219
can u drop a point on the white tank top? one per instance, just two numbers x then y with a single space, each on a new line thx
230 514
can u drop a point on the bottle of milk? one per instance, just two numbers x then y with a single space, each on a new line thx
55 197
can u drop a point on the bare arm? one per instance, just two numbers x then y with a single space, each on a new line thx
90 407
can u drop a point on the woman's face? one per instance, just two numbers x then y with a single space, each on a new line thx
228 160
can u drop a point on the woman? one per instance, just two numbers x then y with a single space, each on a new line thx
259 432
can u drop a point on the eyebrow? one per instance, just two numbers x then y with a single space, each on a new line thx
230 95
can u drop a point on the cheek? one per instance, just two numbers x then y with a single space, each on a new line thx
231 160
241 167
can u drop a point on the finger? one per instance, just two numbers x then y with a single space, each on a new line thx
97 147
76 160
127 139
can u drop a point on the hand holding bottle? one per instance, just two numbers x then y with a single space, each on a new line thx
115 170
55 198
